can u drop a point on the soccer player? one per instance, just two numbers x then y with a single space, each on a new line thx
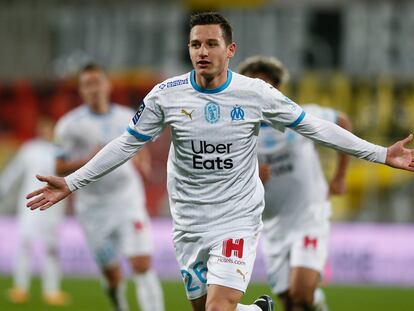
216 196
112 211
36 155
296 217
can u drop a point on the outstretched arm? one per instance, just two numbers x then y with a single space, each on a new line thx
331 135
64 167
278 109
116 153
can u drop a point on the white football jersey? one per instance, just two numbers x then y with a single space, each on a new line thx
34 157
213 180
297 189
80 133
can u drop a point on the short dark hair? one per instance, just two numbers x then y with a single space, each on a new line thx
269 66
213 18
91 67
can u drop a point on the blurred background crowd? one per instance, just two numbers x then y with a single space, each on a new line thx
356 56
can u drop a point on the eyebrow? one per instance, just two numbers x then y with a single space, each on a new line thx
208 40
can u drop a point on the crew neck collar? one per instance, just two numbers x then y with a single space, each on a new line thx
210 91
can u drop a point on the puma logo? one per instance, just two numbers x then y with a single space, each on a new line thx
242 274
188 114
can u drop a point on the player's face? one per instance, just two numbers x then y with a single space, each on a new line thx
208 50
94 87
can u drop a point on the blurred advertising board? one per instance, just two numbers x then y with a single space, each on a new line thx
380 254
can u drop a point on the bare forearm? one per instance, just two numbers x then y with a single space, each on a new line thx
342 163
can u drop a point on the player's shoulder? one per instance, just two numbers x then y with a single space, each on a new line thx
253 85
34 144
243 81
29 144
74 115
122 109
172 85
67 121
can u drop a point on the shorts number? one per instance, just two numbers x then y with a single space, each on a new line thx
198 269
199 272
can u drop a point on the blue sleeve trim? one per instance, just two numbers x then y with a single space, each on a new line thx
138 135
298 120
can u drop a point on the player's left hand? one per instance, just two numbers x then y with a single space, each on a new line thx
55 191
400 157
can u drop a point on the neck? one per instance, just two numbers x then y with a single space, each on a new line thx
100 108
212 82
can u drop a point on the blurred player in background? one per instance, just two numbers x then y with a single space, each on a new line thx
216 196
112 212
296 216
34 156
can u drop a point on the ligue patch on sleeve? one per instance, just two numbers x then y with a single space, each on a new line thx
136 117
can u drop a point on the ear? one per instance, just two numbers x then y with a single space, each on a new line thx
231 49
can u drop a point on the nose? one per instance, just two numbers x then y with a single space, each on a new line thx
203 51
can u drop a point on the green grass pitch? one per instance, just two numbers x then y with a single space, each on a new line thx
88 296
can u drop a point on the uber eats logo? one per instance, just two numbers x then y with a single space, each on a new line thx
202 157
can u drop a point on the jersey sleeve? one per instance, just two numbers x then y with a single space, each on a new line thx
334 136
148 121
113 155
277 109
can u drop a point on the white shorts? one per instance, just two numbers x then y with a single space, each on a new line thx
308 249
115 236
220 258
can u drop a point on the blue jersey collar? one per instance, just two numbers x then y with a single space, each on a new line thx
210 91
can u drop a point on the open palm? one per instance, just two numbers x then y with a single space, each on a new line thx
55 191
400 157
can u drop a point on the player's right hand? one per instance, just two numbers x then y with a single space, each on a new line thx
55 191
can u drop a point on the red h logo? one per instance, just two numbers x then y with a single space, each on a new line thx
310 242
229 247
